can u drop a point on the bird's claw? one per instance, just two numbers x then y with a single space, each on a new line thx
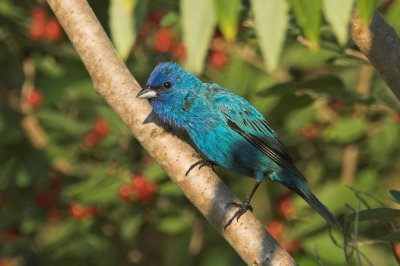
242 209
202 162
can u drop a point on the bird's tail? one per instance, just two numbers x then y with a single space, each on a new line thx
304 191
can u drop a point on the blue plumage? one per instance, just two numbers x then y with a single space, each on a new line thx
227 129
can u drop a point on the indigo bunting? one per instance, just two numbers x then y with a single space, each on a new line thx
228 130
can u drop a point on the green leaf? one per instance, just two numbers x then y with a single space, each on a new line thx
392 237
198 22
394 195
228 15
366 9
308 14
131 225
169 188
122 25
383 143
173 224
338 14
346 130
271 19
393 15
374 214
54 233
62 122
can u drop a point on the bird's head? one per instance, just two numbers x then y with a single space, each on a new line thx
168 80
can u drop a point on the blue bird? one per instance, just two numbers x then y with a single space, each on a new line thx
228 130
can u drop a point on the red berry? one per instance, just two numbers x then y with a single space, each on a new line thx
275 228
285 206
34 98
164 40
218 59
37 31
101 127
91 139
125 192
180 51
53 30
143 188
309 132
39 14
396 250
77 211
44 200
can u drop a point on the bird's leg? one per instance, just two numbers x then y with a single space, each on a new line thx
242 208
202 162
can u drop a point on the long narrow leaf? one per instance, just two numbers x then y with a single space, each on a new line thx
122 25
308 14
338 14
227 15
271 19
198 24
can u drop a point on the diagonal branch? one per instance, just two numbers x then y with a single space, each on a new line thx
380 43
114 82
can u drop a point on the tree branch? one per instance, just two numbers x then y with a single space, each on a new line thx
380 43
114 82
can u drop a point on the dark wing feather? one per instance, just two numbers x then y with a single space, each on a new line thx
244 119
269 146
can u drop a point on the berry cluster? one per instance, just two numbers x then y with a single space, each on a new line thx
140 189
99 131
218 57
164 39
44 27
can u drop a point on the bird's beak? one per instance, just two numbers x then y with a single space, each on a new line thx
147 93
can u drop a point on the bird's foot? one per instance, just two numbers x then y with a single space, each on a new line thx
202 162
242 209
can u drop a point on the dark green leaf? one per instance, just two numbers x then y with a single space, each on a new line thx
394 195
374 214
392 237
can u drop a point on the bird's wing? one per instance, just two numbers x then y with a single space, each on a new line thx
243 118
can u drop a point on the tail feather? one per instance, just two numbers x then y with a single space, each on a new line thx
304 191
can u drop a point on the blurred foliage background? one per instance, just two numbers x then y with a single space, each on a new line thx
77 189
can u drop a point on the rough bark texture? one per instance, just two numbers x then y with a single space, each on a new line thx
380 43
115 83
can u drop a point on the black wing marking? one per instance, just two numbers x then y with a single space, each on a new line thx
269 146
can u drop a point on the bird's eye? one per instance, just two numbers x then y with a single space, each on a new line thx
167 85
